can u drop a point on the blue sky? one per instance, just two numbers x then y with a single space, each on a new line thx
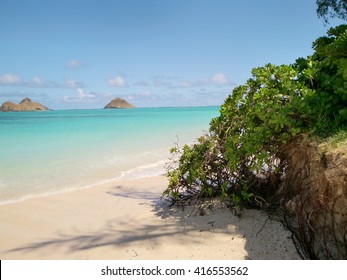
83 53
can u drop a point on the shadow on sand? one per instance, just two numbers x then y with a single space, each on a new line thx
263 238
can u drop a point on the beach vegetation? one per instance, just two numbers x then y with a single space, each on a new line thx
332 8
280 144
241 159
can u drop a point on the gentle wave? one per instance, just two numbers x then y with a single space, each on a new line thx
58 151
139 172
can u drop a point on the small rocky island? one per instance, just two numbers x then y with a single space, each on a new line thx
119 103
25 105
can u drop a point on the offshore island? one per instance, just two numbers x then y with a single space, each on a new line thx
25 105
28 105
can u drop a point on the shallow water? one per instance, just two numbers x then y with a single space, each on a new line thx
54 151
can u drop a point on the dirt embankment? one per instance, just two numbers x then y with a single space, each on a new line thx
314 192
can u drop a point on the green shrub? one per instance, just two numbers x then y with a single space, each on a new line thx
326 73
240 159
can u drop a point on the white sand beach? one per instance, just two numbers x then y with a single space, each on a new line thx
127 220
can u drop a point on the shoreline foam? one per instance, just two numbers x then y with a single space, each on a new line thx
150 170
51 150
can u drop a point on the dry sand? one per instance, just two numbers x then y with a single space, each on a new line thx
126 220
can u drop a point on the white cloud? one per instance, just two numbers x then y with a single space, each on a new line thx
158 81
9 80
217 79
73 84
36 81
81 96
74 64
117 81
220 79
185 84
146 94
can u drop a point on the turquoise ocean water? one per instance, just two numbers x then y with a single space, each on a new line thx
55 151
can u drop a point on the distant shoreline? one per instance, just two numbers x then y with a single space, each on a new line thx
137 108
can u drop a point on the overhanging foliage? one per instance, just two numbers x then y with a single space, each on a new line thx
240 159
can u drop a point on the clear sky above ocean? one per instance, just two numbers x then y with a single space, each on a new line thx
82 53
